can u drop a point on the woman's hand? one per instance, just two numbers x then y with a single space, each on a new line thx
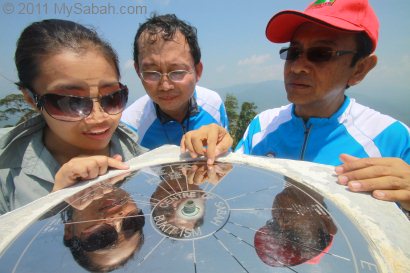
85 168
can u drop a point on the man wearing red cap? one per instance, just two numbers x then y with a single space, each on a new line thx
331 48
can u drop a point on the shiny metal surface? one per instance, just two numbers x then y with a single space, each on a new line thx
184 217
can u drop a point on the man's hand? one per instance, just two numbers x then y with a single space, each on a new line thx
386 178
210 140
199 174
84 168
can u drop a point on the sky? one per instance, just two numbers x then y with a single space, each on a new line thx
231 34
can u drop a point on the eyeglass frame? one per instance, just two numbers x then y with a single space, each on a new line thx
39 101
334 53
163 74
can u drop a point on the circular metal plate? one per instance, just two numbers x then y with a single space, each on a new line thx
184 217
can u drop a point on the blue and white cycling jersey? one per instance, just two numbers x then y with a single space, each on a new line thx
154 128
354 129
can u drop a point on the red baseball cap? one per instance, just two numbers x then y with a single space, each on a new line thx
350 15
278 252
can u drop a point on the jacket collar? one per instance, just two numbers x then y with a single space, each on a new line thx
336 118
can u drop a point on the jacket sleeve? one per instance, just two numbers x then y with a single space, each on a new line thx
6 190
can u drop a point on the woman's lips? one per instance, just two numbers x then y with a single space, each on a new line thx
98 134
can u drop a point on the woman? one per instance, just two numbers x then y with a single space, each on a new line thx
71 77
103 227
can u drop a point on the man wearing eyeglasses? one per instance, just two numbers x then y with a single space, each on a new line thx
167 59
331 49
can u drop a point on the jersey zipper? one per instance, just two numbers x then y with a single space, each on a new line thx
306 133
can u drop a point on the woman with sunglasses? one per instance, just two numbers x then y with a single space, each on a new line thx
103 228
71 77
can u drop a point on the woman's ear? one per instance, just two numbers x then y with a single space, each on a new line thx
28 97
362 67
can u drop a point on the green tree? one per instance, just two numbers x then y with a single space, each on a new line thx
248 112
14 107
231 106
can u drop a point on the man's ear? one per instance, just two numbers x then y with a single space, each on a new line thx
362 67
198 70
28 97
68 232
137 69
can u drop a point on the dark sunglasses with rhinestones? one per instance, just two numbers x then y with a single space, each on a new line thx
317 54
75 108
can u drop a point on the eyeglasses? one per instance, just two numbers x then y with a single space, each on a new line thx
103 235
155 76
313 54
75 108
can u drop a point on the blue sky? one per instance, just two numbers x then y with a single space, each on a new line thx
231 35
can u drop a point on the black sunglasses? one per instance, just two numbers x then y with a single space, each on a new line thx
103 235
313 54
75 108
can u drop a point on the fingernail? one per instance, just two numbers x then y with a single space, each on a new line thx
355 185
342 179
339 169
379 194
210 161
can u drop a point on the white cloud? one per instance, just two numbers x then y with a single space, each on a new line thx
255 60
263 73
257 68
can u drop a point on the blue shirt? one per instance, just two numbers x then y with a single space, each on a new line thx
155 129
354 129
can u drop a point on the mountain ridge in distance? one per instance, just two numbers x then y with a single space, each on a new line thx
272 94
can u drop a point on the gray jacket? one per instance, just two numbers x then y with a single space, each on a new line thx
27 168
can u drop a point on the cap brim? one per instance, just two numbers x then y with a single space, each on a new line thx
282 25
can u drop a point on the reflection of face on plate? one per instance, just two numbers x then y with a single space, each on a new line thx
300 230
106 233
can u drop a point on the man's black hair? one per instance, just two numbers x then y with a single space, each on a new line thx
164 27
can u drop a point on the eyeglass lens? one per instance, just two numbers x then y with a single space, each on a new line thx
313 54
72 108
155 76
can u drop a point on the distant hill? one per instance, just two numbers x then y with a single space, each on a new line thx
265 95
270 94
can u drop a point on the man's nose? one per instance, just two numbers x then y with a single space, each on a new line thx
165 83
300 65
